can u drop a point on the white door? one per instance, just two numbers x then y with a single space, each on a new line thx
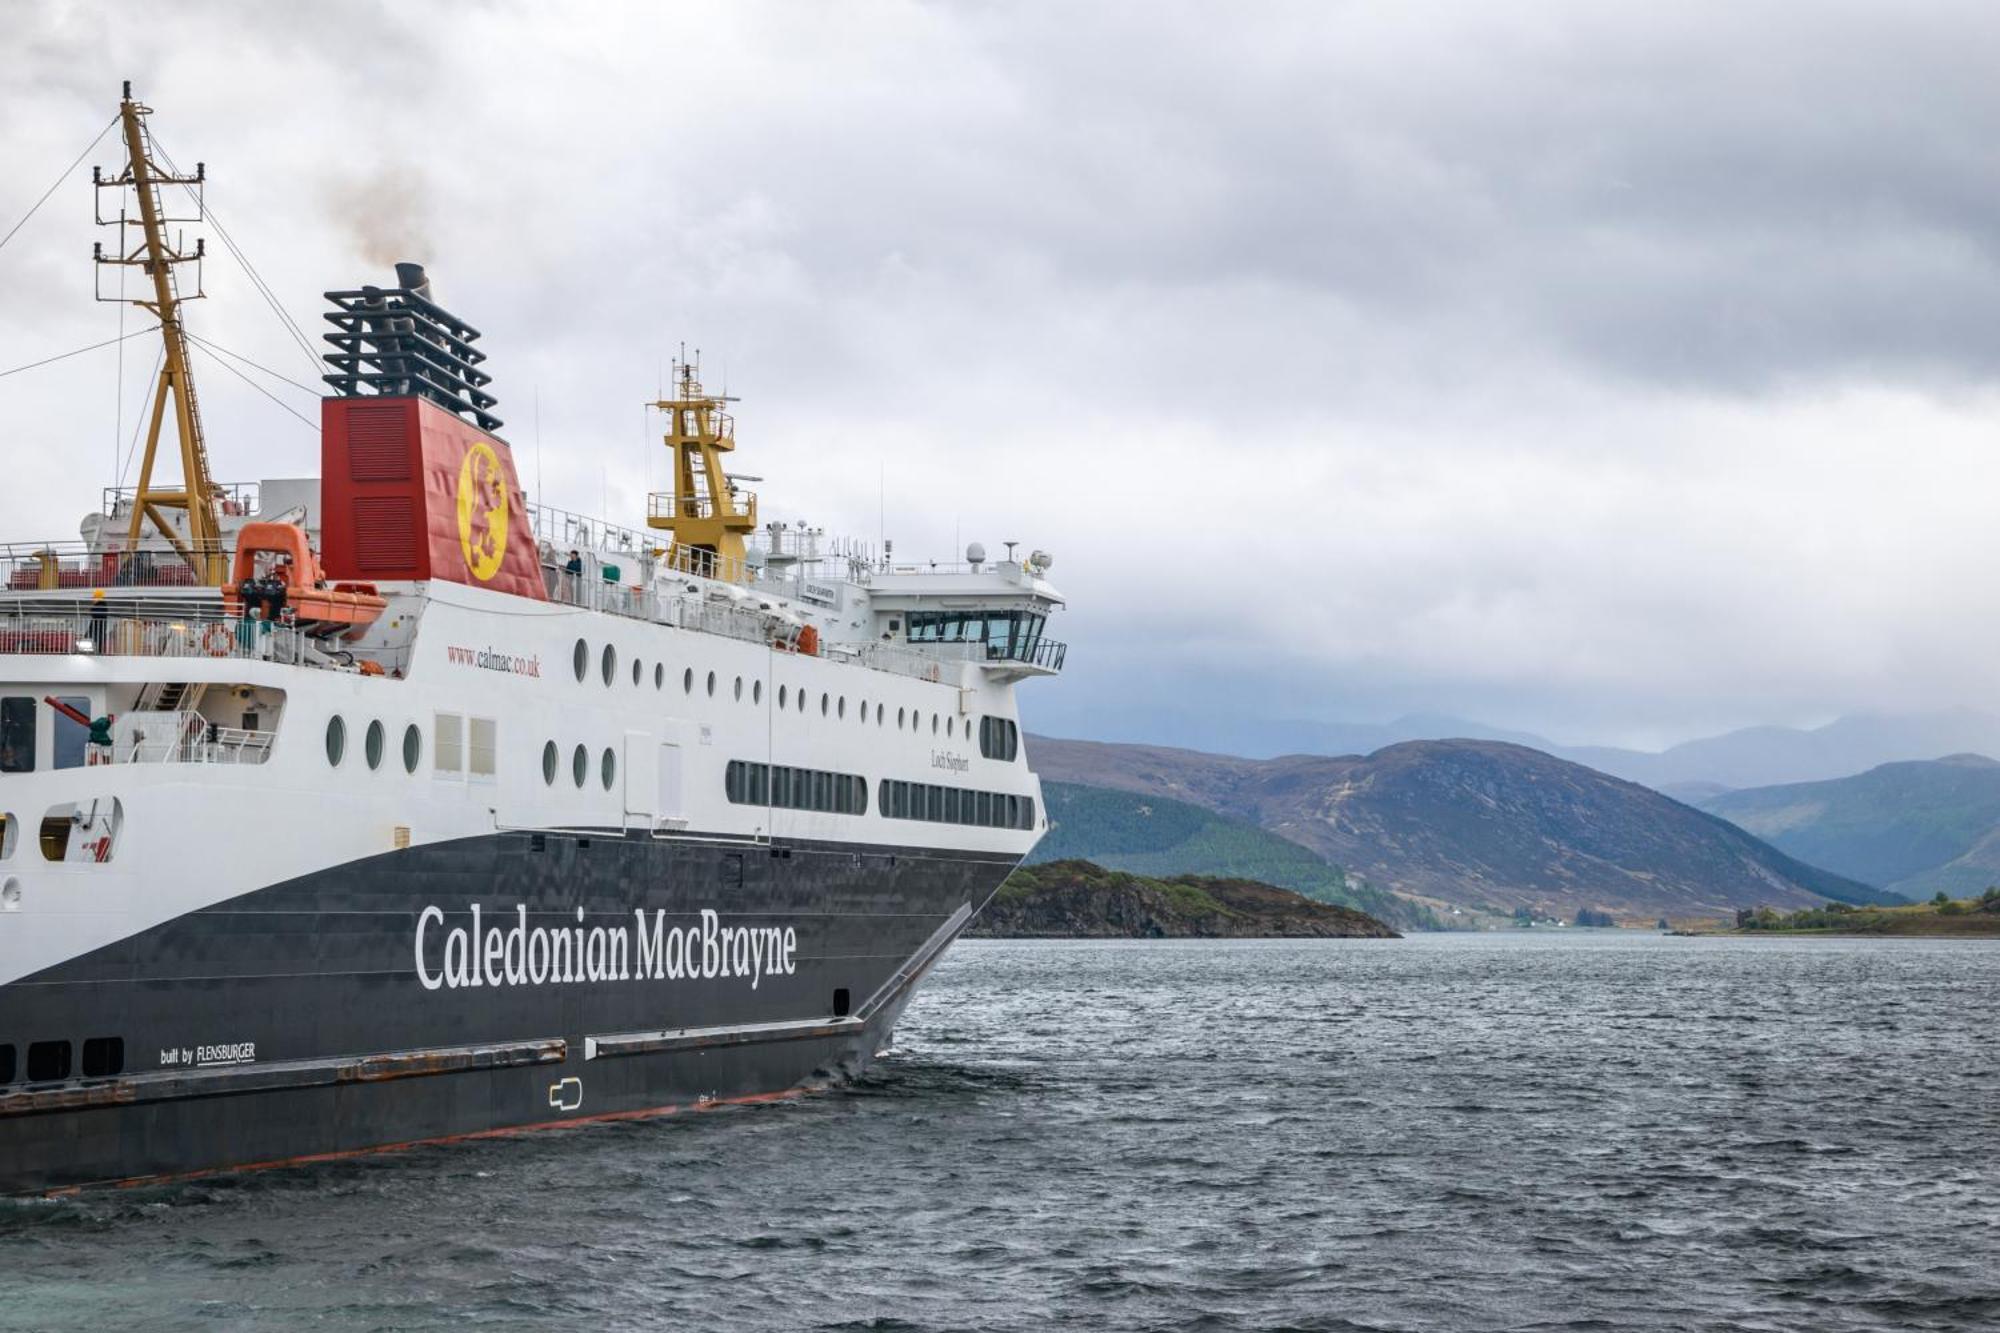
670 808
641 793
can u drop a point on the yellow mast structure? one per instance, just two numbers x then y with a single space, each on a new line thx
707 514
197 494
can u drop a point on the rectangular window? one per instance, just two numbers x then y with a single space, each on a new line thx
48 1061
17 735
485 748
103 1056
70 738
7 1063
448 747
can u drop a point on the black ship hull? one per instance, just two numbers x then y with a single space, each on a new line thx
484 985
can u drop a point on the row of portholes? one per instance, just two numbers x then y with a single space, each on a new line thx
374 741
829 706
579 765
608 670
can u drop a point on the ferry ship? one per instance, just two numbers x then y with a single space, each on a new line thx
387 807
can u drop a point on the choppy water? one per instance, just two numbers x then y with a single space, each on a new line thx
1497 1132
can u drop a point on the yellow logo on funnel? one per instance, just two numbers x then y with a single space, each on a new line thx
482 511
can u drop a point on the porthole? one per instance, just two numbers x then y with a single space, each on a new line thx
899 719
881 711
822 704
659 675
687 681
739 689
581 658
783 694
372 745
638 670
933 724
608 767
840 707
610 663
802 701
413 747
711 684
579 765
336 740
756 691
550 761
10 833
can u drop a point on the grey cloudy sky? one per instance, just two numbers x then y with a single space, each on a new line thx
1619 372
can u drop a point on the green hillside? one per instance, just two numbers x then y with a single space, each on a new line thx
1162 838
1913 827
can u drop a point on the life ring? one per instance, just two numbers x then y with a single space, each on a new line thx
216 640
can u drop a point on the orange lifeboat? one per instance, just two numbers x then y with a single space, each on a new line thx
343 610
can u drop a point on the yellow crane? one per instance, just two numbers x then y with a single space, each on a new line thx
197 495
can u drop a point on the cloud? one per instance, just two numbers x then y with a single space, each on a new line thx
1607 371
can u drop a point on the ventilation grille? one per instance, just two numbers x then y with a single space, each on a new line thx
385 534
378 444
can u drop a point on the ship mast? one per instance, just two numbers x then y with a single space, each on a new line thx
707 514
196 496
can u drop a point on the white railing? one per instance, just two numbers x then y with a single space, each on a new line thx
181 737
115 635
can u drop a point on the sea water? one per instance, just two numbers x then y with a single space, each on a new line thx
1527 1131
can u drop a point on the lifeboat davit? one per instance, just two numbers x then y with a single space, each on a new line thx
341 610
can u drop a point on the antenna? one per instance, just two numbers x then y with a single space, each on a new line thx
197 493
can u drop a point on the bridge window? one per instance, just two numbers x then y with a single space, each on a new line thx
1003 634
17 735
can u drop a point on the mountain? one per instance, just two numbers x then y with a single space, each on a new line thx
1482 825
1075 899
1161 837
1751 757
1915 827
1765 756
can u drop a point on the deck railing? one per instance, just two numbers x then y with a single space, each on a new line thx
123 635
182 737
76 565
